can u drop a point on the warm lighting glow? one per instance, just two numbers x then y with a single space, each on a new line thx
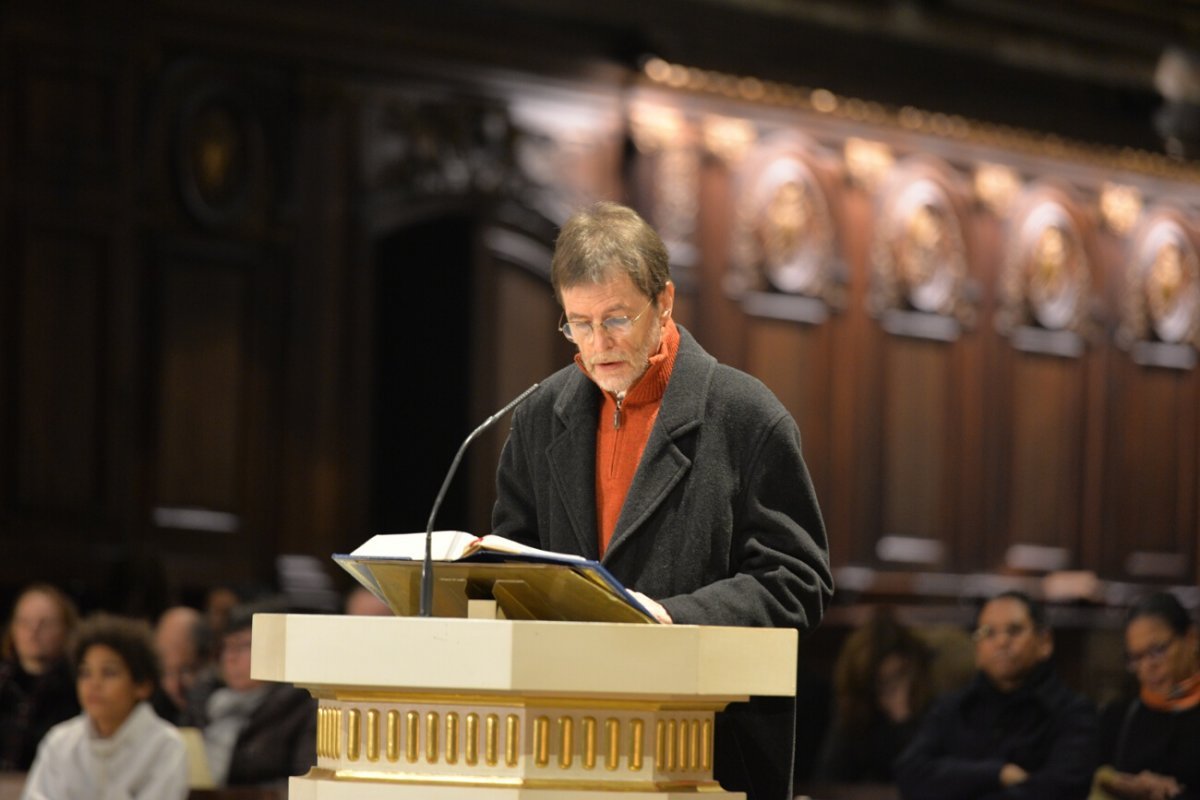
1120 207
728 138
996 187
824 101
655 126
866 161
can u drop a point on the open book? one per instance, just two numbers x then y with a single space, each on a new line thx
525 582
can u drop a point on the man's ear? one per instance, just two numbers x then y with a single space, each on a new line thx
666 301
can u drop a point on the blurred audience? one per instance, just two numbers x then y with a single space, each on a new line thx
184 645
361 603
882 684
118 748
1152 743
218 605
36 687
1017 731
255 733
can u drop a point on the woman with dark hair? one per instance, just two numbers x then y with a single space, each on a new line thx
882 685
118 748
1154 741
36 690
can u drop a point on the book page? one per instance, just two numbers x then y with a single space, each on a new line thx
498 544
446 546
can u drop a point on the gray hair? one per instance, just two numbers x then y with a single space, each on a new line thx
600 242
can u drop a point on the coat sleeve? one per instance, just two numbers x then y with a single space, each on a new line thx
926 771
514 515
1074 755
780 563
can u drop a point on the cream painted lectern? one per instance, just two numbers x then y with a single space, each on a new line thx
448 708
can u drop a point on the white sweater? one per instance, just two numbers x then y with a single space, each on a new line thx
144 760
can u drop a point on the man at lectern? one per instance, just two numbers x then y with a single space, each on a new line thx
683 476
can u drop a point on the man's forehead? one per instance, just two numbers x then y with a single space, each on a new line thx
1005 608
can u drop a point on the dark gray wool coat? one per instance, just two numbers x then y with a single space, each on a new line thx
721 523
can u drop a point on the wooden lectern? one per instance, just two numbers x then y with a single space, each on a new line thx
449 708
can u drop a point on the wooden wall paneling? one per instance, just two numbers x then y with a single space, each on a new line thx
62 342
1046 396
522 348
1150 523
1047 291
213 437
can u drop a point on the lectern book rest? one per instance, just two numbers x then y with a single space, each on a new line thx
525 583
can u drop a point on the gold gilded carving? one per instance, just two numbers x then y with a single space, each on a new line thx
672 739
612 757
373 734
491 746
431 737
472 743
512 740
451 737
353 734
392 751
335 733
566 742
706 744
694 744
636 740
1046 277
541 741
412 736
589 742
1162 289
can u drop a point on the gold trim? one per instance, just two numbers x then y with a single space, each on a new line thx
472 747
589 742
660 743
566 742
431 737
534 702
512 740
491 748
353 734
635 744
412 735
940 125
694 744
612 759
379 776
451 737
373 734
706 745
672 736
541 741
393 736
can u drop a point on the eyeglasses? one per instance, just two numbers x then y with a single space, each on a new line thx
987 632
1153 654
615 327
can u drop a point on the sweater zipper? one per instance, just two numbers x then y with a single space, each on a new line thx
620 398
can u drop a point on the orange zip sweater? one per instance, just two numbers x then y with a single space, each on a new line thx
619 446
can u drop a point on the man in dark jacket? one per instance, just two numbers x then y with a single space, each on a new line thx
1016 732
684 477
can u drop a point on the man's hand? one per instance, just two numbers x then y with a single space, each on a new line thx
1011 775
654 608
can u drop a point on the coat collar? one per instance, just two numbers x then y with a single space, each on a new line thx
572 453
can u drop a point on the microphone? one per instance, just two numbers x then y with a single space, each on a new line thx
427 566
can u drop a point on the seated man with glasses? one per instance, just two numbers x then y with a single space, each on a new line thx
1017 731
683 476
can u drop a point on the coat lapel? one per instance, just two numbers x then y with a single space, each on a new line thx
572 455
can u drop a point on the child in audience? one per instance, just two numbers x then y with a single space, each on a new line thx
118 748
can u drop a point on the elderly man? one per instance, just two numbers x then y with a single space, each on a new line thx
684 477
1016 731
183 643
